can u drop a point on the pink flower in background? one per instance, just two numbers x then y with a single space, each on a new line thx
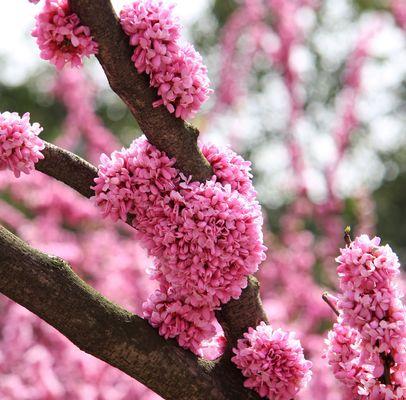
273 362
175 69
399 12
61 37
20 146
367 347
82 125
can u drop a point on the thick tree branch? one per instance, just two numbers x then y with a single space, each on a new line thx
49 288
168 133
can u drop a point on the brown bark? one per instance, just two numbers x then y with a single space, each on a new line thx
68 168
172 135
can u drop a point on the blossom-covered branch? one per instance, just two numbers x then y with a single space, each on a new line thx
170 134
48 287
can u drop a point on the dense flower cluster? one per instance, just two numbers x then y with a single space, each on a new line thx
191 325
61 37
273 362
367 347
175 69
206 237
20 146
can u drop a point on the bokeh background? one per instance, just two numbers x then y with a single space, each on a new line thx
312 92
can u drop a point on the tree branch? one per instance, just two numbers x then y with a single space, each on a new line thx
168 133
48 287
68 168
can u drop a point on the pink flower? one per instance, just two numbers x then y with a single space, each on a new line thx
174 319
368 344
370 299
344 353
399 12
20 146
61 37
273 362
176 70
205 237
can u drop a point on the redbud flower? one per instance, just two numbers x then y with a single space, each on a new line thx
367 347
175 69
205 237
61 37
175 319
20 146
370 299
343 354
399 12
273 362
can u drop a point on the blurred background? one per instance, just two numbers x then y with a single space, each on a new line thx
312 92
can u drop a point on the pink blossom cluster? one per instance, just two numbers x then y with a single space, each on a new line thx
362 379
367 346
61 37
273 362
175 69
20 146
205 237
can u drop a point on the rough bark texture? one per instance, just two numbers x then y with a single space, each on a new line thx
68 168
238 315
48 287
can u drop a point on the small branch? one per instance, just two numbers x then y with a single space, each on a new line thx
347 235
325 296
387 363
48 287
68 168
